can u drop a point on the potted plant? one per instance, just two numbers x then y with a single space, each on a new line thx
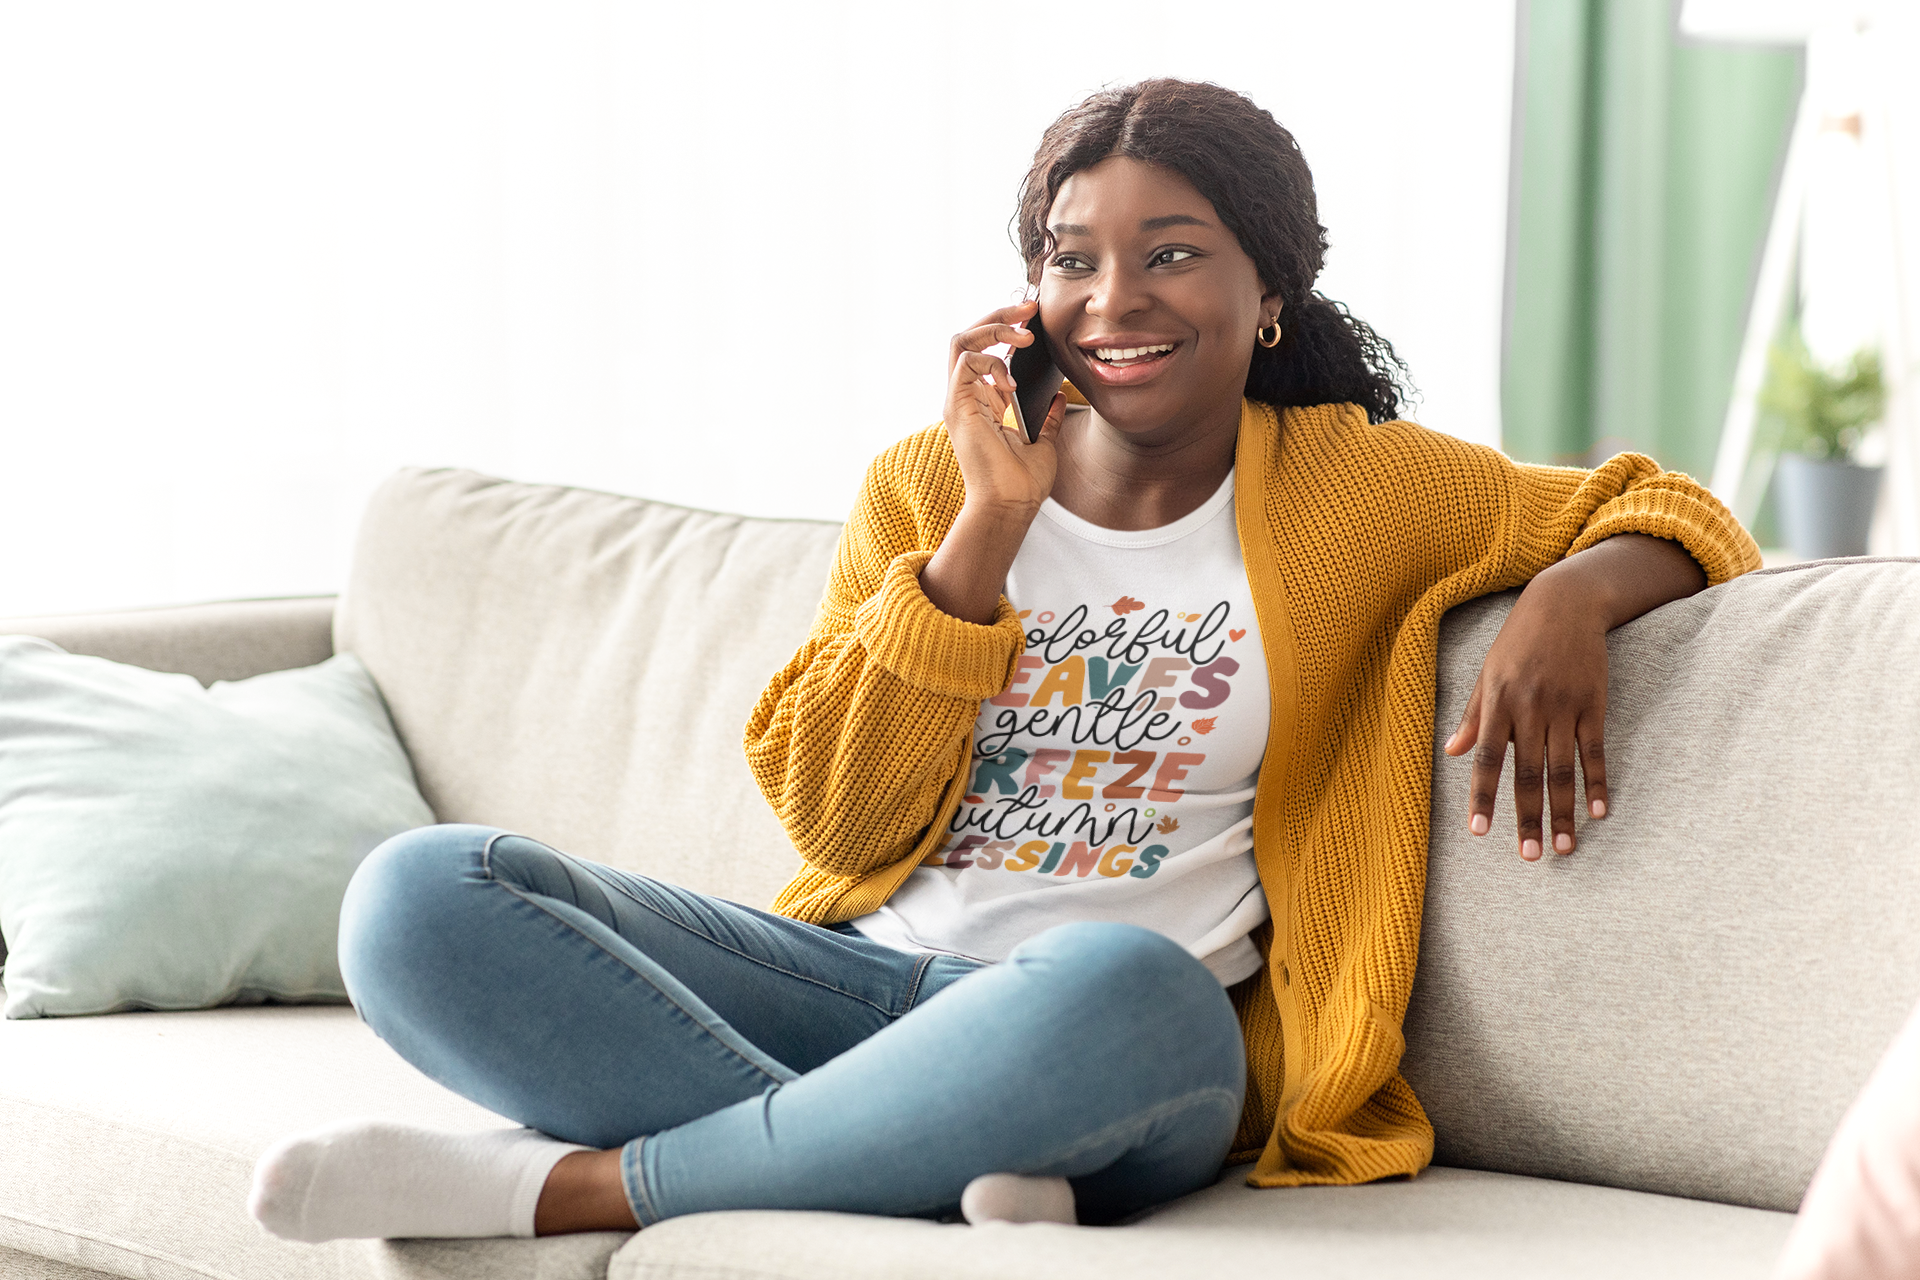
1825 496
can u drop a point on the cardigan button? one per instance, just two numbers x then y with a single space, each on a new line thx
1286 975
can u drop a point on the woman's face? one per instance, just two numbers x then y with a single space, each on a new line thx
1150 301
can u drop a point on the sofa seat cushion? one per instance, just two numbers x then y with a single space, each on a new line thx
127 1145
1443 1225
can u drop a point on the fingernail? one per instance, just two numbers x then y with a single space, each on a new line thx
1598 808
1563 843
1530 850
1478 824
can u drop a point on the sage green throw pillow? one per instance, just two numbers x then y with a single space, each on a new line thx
165 846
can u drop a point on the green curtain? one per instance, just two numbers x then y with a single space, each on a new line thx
1644 178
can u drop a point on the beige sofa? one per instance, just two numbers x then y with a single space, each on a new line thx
1633 1057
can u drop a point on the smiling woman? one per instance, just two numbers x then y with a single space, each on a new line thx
1107 758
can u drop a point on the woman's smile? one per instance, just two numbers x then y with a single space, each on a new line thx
1128 359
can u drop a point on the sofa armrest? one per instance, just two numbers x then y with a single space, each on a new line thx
228 640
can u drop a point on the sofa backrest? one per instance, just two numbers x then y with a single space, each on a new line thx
579 667
228 640
1688 1003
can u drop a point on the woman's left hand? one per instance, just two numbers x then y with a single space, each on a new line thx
1543 686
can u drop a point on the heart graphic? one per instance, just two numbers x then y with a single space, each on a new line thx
1236 633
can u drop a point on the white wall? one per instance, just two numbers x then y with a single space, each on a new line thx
253 256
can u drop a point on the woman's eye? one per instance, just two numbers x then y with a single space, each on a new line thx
1171 255
1070 262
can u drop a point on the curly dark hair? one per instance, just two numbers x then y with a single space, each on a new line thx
1242 160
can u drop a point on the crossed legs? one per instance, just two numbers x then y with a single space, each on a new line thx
717 1057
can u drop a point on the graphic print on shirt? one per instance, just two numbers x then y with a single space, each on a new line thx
1079 764
1113 778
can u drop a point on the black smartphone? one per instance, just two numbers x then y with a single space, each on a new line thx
1036 378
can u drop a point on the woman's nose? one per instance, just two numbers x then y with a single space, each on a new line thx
1117 294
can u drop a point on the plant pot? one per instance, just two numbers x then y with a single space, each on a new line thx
1825 506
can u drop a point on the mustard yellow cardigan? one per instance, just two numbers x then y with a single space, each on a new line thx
1357 538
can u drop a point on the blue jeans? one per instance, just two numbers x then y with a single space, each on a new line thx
748 1061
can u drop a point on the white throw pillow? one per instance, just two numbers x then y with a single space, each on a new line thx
165 846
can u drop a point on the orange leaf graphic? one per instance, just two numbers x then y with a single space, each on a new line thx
1168 826
1126 605
1204 726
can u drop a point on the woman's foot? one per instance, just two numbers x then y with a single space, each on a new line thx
368 1179
1015 1197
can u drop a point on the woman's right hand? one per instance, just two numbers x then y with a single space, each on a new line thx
1007 478
1003 471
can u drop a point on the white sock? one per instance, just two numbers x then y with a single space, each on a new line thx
1015 1197
368 1179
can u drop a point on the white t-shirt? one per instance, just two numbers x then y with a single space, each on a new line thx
1113 780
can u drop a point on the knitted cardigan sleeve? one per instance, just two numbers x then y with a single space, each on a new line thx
1558 511
857 740
1443 509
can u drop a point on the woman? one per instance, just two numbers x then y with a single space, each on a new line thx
1107 757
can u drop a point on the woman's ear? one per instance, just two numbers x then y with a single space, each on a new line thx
1270 305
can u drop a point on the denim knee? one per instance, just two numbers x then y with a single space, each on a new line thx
400 900
1136 973
1137 958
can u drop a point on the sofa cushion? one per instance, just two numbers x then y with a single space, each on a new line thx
127 1145
1447 1224
1688 1003
165 846
579 667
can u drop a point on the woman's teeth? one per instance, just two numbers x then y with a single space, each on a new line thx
1121 355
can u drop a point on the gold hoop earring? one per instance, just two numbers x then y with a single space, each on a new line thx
1261 333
